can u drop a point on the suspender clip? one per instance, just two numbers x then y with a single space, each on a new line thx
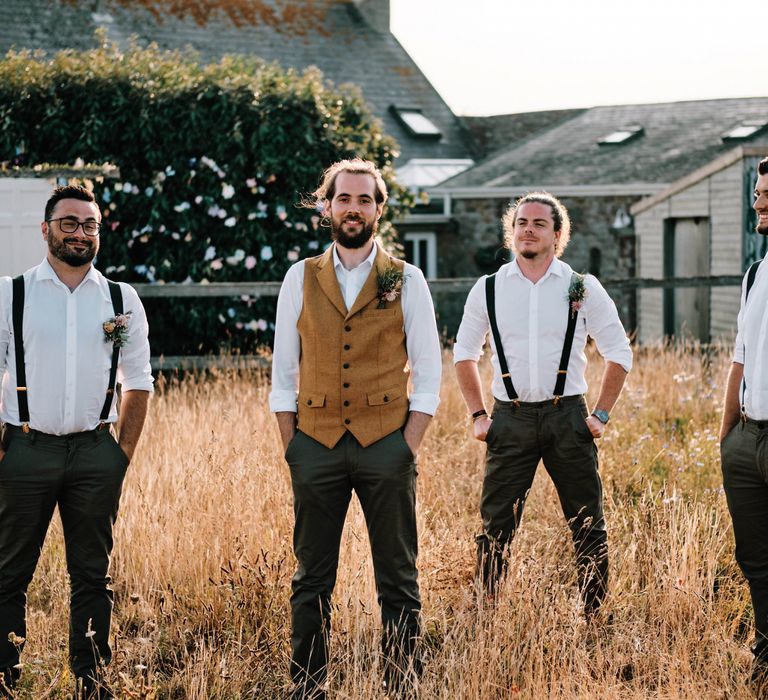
556 400
25 428
516 403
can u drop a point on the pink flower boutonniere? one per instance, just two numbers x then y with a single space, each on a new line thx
391 283
577 292
116 329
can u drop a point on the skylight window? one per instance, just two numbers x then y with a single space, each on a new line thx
745 130
415 123
621 136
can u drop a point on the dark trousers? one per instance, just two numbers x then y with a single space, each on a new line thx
744 457
383 475
557 434
82 474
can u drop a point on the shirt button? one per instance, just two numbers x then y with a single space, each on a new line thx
346 365
347 421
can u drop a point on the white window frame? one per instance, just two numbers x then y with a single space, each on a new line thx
430 237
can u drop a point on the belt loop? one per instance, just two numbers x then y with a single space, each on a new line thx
32 433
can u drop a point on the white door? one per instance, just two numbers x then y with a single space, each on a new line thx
22 208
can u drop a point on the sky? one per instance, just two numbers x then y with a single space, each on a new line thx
502 56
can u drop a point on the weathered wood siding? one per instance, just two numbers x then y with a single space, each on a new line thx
719 199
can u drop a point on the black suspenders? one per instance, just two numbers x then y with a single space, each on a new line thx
117 306
565 357
18 337
750 281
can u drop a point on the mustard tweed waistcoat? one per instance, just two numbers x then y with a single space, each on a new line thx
353 369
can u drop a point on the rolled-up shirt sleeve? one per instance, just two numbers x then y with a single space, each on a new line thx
738 350
604 325
474 326
287 348
134 371
422 343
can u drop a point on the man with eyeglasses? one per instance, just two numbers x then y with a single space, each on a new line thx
67 335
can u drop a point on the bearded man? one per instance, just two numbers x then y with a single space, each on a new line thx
351 324
57 405
743 441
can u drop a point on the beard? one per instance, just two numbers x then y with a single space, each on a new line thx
762 230
528 254
357 241
75 258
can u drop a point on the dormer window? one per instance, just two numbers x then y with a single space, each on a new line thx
415 123
621 136
746 130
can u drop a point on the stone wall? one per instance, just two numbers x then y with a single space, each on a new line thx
473 245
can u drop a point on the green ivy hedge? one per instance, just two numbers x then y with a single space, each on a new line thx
213 161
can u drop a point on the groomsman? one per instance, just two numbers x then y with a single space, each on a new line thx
67 335
743 441
539 313
351 324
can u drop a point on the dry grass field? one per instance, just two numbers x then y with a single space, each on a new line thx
203 561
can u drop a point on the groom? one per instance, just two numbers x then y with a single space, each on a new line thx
350 325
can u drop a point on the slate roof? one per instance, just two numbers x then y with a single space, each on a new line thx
678 137
502 131
345 47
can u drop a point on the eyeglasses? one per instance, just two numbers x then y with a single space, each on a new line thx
70 225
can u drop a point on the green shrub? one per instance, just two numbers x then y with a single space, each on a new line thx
213 160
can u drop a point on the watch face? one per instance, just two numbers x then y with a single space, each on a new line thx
601 415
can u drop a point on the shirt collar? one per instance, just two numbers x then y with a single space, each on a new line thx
368 261
556 267
46 272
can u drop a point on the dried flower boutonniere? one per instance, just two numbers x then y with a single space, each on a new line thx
391 283
116 329
577 292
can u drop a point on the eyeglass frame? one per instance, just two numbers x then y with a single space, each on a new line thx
80 224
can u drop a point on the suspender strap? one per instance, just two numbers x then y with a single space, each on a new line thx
490 302
117 304
751 273
18 340
565 358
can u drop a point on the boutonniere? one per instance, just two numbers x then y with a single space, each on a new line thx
116 329
391 283
577 292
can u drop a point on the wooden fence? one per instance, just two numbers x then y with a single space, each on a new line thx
459 285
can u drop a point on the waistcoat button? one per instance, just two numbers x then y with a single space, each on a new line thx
346 365
347 421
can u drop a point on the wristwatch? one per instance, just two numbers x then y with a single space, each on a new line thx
602 415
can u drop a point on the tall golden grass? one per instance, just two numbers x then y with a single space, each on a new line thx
203 560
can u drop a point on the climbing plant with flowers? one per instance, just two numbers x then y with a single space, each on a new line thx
213 161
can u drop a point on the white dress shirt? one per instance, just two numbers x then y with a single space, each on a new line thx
532 320
422 342
66 357
752 344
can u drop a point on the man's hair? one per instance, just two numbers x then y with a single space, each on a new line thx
762 167
67 192
354 166
559 216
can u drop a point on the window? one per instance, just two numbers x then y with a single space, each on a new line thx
621 136
421 250
745 130
415 123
